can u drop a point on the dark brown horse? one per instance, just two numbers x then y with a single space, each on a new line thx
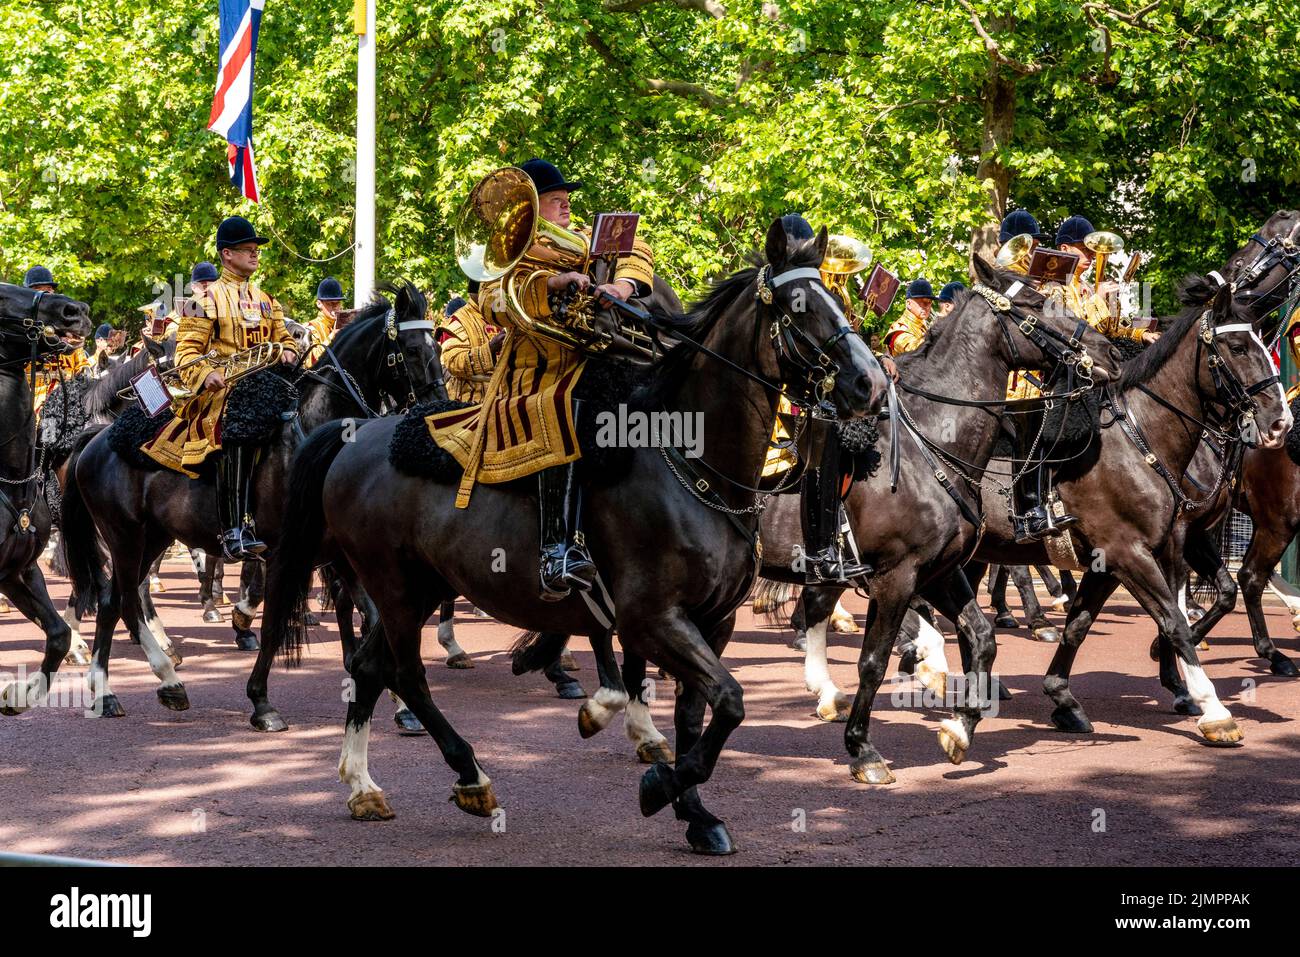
949 404
674 538
31 326
387 354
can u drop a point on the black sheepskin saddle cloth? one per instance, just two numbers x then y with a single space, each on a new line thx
604 386
858 454
1293 437
1068 430
63 416
258 406
255 411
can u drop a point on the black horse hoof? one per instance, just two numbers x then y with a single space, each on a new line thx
1071 721
907 661
1004 693
800 643
246 641
110 707
1282 666
407 723
656 789
1183 704
268 720
1006 621
310 619
212 617
711 839
174 698
570 690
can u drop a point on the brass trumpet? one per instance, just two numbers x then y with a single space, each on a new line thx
1104 244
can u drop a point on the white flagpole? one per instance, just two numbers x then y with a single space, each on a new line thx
364 255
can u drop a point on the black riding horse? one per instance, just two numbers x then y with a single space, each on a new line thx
674 538
31 326
387 354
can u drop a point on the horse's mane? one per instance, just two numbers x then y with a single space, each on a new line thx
408 303
1142 367
101 393
698 321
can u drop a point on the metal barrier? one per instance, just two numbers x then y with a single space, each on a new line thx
11 859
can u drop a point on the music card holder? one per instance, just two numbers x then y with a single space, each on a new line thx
613 233
1053 265
150 392
1134 263
881 290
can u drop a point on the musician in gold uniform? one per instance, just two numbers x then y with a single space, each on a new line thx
525 425
322 329
1099 306
231 315
908 331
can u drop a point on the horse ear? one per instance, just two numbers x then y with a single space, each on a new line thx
984 271
776 244
822 239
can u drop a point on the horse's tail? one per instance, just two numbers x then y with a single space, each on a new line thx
289 574
82 550
772 597
534 650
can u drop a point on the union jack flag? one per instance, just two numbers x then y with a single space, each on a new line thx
232 105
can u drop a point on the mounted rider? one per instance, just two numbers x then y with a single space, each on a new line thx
948 297
1099 307
69 364
526 424
470 348
329 312
230 315
909 330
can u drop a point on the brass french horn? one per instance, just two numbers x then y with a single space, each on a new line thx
1016 252
498 230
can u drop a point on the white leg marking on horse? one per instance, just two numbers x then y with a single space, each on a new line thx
354 766
245 608
930 652
639 725
1284 590
447 638
816 671
1182 605
604 704
842 621
1202 691
161 664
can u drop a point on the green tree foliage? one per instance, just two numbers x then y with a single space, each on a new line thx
911 124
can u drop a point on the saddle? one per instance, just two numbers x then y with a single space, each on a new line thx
605 385
256 409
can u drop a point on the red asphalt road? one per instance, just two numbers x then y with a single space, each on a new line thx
201 787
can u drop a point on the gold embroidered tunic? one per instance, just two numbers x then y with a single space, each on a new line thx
525 423
906 334
231 316
467 353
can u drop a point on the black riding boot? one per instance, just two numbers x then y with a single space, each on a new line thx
823 515
1035 521
564 566
239 541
